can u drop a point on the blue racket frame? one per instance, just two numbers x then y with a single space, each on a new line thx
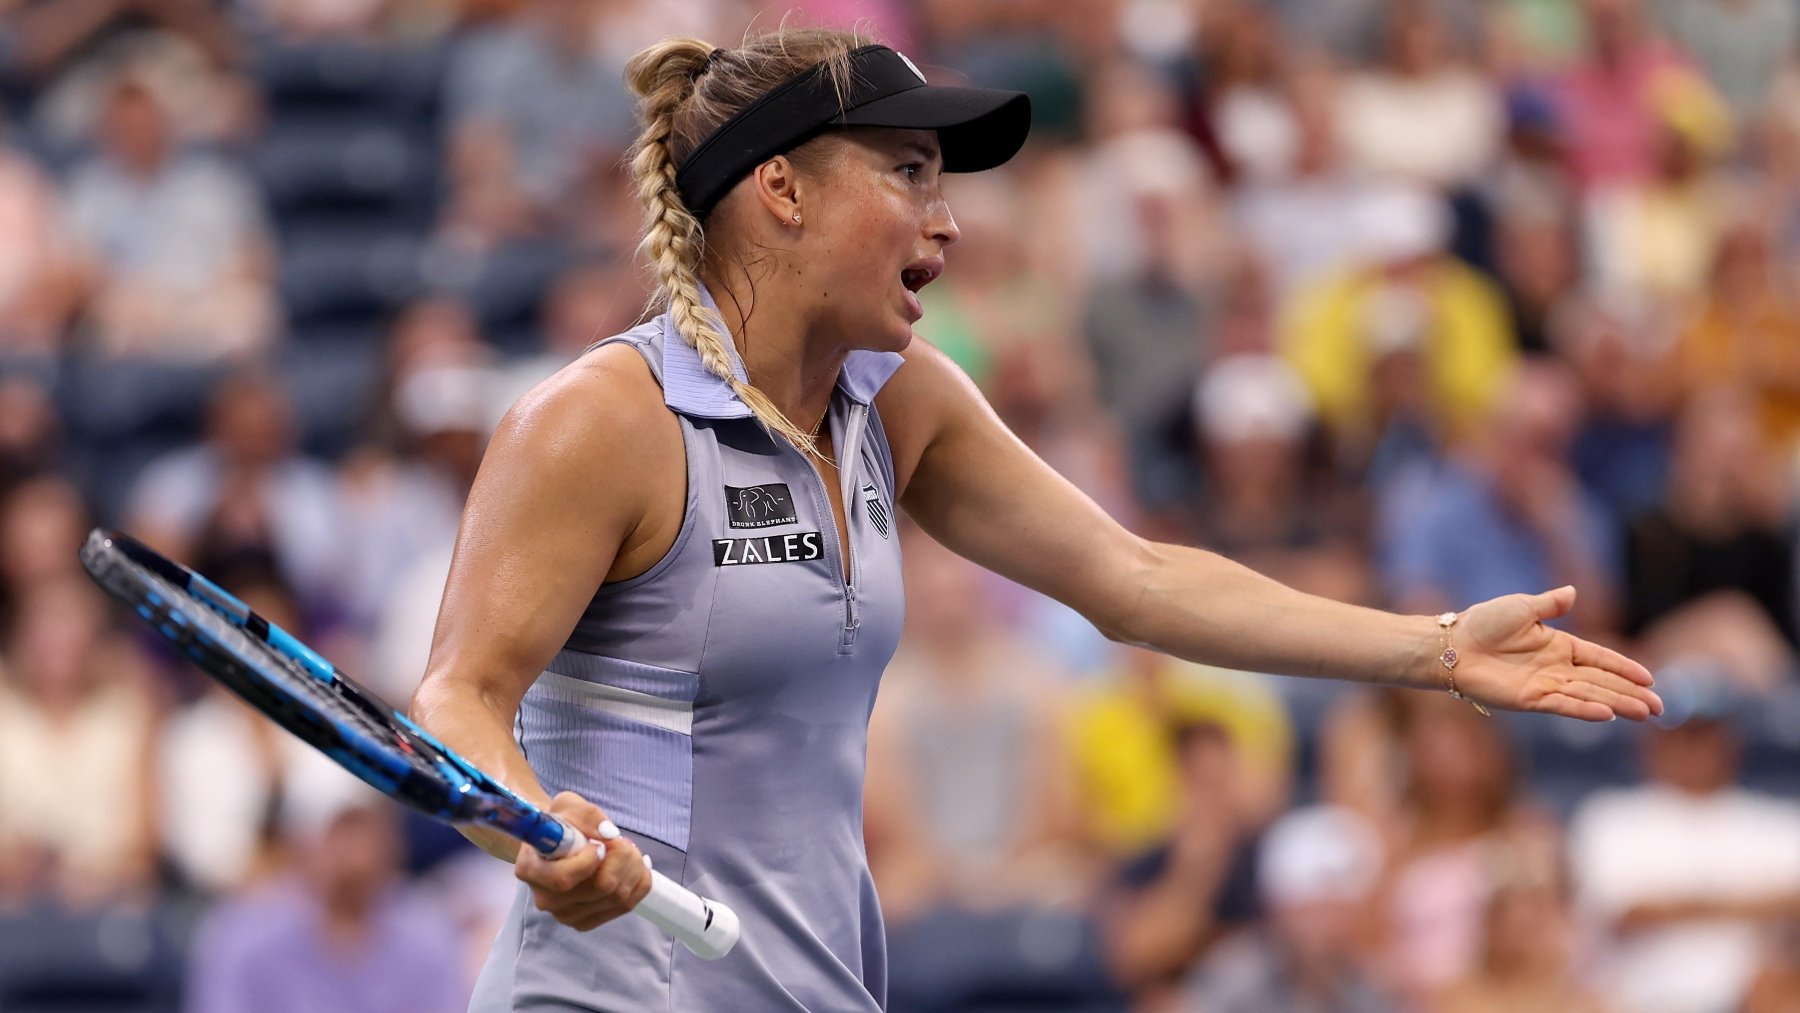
413 768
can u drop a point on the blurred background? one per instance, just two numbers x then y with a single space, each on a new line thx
1407 303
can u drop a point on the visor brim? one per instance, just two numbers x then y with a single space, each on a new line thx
977 128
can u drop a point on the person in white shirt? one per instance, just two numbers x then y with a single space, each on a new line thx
1690 870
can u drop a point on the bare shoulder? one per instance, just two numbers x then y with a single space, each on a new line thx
604 408
928 392
594 449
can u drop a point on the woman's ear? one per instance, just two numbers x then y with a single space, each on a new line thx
777 187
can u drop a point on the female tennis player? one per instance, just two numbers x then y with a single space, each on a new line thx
678 579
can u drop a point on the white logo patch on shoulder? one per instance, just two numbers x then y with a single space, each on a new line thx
910 66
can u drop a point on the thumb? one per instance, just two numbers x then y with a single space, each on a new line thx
584 815
1551 604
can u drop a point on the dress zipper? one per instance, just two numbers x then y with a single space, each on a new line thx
847 456
848 453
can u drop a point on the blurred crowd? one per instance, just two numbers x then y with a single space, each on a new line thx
1405 302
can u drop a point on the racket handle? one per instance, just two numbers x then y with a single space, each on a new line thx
707 927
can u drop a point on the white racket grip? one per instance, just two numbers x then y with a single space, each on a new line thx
707 927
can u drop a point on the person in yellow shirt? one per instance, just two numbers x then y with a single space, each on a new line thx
1409 332
1746 334
1127 757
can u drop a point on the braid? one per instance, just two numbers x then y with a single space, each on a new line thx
665 76
686 88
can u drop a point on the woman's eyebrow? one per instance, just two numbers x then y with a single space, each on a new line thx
925 151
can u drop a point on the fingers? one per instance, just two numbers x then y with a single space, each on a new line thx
1623 704
558 875
585 815
1552 604
1624 687
1573 707
622 876
1587 653
593 884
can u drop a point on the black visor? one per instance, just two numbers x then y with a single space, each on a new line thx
978 128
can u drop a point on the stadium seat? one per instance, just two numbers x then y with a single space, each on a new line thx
337 276
107 962
358 170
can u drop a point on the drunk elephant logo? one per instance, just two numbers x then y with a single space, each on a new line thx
759 506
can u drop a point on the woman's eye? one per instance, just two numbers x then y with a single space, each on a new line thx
913 169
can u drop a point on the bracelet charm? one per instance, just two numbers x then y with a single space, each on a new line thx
1448 659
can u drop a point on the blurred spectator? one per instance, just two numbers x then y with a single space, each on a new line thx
1537 263
1531 36
1126 731
1146 334
1527 954
1657 235
1607 102
1742 44
51 33
531 101
173 247
1417 339
223 767
30 431
1746 333
404 489
1712 571
1506 513
1461 816
1138 162
1419 116
340 931
1351 30
338 20
1316 868
77 764
35 277
1264 503
245 493
1309 220
1245 108
969 741
1620 348
404 512
1176 899
1688 870
42 524
1777 985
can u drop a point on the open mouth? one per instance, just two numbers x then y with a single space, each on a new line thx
920 273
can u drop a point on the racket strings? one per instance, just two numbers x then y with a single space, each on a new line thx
285 674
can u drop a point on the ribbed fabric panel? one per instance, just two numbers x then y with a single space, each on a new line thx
674 715
641 775
663 683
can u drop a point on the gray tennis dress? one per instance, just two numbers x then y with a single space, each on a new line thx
717 708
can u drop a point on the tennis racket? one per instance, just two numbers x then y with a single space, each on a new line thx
302 692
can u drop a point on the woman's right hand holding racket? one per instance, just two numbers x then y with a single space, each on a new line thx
582 889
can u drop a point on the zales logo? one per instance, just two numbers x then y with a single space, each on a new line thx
796 547
759 506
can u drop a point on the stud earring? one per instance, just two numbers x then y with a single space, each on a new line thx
796 219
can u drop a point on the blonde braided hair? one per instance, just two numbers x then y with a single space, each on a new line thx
684 94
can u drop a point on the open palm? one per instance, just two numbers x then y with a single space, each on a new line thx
1510 659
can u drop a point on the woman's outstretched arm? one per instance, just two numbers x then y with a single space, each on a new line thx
973 485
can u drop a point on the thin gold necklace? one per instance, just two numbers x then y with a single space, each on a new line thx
814 437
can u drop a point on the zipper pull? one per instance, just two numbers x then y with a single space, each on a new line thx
851 619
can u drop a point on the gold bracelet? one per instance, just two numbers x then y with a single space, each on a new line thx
1449 658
